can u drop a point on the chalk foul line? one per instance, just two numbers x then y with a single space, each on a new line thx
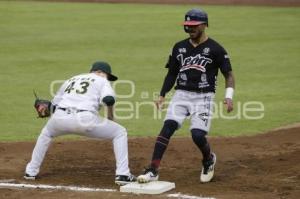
57 187
8 184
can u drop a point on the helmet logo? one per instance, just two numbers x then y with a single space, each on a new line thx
188 18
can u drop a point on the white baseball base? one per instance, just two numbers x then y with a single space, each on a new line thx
155 187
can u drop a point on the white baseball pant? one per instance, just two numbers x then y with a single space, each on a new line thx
197 106
84 123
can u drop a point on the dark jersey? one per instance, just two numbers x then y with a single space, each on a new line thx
196 68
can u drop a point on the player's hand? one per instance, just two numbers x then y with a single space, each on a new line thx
228 102
160 102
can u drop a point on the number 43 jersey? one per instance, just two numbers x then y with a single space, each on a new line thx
83 92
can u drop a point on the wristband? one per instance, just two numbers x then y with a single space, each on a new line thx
229 92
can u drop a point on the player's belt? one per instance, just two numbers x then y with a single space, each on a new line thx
69 110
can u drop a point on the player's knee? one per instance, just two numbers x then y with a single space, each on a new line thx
169 128
171 124
45 137
123 131
198 136
46 133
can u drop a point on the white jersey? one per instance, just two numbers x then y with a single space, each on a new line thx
83 92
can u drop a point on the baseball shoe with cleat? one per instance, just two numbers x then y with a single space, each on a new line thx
208 168
29 177
123 179
150 174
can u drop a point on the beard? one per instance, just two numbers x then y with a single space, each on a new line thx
195 35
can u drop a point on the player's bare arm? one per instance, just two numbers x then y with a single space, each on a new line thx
109 101
110 113
160 102
229 85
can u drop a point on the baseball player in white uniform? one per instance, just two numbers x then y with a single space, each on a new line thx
77 103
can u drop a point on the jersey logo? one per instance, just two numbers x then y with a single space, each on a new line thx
182 50
183 76
203 116
206 51
198 62
203 77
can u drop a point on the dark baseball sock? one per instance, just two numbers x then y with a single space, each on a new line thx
162 142
200 140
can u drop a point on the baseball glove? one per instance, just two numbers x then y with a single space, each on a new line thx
43 107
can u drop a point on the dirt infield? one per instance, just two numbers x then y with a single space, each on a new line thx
262 166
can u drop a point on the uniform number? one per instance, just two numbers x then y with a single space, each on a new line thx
84 87
81 90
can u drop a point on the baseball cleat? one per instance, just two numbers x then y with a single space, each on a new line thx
208 168
123 179
150 174
29 177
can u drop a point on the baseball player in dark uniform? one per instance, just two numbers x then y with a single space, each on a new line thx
193 65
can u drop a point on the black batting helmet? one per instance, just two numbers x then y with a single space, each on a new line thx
195 17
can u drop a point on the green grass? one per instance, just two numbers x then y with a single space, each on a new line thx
41 42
